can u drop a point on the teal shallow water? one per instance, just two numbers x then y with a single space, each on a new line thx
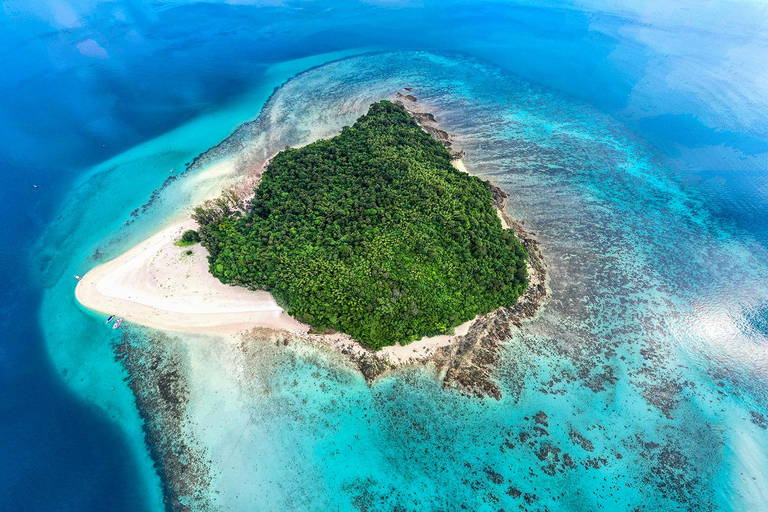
646 362
95 225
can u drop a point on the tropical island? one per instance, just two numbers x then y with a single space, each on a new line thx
373 233
376 243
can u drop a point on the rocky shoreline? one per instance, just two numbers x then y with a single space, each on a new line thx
428 123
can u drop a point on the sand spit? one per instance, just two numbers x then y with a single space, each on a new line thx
163 286
160 285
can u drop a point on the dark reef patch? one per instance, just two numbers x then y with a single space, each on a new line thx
155 364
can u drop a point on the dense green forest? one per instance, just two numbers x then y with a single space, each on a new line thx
373 233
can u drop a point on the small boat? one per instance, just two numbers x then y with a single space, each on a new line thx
111 317
117 324
78 277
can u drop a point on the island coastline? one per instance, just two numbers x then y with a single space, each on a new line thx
146 287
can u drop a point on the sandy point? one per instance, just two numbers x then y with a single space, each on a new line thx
161 285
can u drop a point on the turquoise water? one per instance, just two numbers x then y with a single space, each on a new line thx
645 189
639 377
93 231
629 353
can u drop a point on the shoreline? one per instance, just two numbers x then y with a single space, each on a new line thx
156 284
160 285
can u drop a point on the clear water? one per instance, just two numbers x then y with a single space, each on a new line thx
644 184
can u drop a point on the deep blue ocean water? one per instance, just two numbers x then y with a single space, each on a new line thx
99 100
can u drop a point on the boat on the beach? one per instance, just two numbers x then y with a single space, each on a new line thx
111 317
78 277
117 324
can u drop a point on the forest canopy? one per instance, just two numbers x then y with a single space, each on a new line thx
373 233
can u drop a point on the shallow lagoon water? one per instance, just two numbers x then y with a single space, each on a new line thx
622 393
96 224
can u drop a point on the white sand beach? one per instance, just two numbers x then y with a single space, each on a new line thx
159 285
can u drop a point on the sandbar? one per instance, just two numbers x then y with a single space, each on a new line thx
158 284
